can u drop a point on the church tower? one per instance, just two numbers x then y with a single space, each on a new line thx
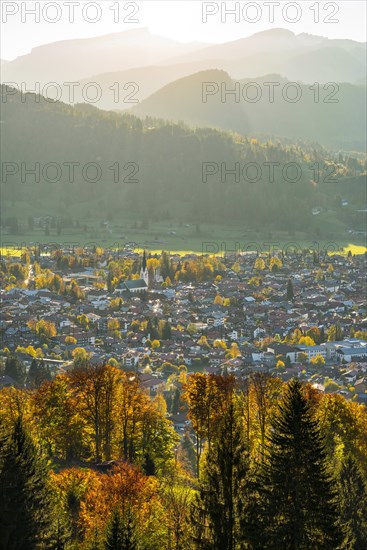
144 270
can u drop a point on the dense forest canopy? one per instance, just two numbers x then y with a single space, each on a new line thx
157 169
89 461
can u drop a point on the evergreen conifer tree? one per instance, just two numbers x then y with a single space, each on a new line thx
121 532
167 331
114 538
354 502
290 292
216 508
176 401
25 503
15 369
297 506
149 465
37 374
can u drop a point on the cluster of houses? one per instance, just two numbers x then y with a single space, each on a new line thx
257 318
343 351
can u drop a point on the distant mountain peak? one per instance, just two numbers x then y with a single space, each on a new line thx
139 30
274 33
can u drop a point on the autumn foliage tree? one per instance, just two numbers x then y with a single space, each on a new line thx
43 329
206 397
95 388
110 447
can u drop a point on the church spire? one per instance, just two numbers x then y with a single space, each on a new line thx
144 264
144 270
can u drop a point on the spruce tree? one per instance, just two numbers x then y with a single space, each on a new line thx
121 532
59 537
37 374
290 292
151 330
113 541
15 369
296 506
354 502
216 507
24 495
32 374
167 331
149 465
176 401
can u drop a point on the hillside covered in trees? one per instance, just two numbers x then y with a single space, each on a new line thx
88 461
156 170
212 98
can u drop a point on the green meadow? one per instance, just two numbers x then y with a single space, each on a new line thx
175 237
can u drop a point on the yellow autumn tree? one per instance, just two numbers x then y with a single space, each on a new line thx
259 264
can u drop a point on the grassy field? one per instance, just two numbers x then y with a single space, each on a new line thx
176 237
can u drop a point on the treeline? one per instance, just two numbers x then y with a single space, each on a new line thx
167 161
93 414
12 274
290 497
89 461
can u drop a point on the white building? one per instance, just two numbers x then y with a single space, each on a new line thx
313 351
351 354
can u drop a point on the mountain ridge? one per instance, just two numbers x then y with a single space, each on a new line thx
329 121
268 51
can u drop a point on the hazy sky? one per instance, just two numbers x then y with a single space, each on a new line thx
181 20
